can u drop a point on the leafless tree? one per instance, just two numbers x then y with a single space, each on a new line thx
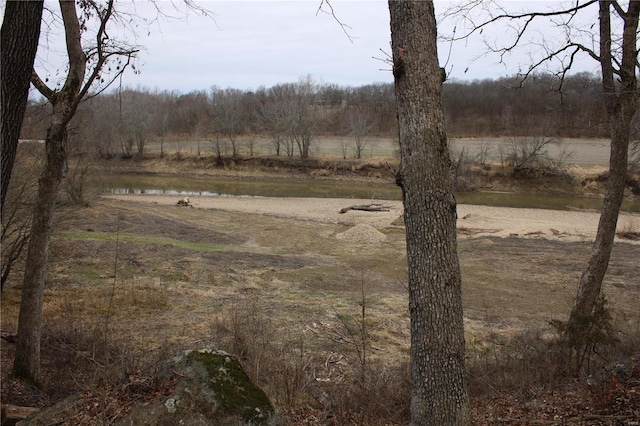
439 395
302 119
229 115
86 66
612 43
272 114
483 152
360 129
286 112
136 117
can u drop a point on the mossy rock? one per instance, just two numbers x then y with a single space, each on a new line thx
237 394
214 390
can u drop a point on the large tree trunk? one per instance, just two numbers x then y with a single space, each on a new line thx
27 361
439 395
18 45
621 99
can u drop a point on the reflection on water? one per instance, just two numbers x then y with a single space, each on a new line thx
139 191
181 186
170 185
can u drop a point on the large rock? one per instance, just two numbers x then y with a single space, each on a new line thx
214 390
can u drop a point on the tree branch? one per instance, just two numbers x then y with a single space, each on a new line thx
105 51
331 12
75 53
42 87
530 16
101 38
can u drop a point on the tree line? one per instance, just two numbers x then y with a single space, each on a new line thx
290 115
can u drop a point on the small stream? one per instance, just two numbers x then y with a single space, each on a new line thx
190 186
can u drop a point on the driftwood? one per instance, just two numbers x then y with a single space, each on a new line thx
185 202
373 207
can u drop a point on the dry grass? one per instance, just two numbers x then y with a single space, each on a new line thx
629 230
286 297
321 366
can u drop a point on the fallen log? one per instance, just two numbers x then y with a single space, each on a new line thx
9 336
373 207
12 414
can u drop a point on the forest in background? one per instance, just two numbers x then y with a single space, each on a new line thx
290 115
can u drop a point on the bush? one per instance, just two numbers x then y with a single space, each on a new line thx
299 370
583 335
529 156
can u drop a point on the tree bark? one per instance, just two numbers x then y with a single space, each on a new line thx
18 45
620 99
439 395
27 360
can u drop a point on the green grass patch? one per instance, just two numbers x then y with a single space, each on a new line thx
145 239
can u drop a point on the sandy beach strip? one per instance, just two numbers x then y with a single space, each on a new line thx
569 225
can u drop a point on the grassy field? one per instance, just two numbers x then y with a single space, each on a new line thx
583 152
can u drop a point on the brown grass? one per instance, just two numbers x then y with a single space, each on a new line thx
285 296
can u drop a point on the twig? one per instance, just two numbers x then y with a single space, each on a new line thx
115 280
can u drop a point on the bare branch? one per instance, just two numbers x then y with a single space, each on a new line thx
520 23
42 87
129 55
101 38
618 9
331 12
529 16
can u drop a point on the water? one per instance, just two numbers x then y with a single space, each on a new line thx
186 186
190 186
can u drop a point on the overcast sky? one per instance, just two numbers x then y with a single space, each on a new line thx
249 44
262 43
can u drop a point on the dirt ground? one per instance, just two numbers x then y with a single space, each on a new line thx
504 252
520 267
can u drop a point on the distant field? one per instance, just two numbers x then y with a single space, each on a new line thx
583 152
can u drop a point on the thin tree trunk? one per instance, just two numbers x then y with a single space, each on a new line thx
27 360
18 45
621 99
439 395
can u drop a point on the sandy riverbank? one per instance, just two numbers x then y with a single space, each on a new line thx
472 220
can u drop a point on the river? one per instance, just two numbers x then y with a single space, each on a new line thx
186 186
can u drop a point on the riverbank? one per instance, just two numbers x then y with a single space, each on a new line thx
473 220
567 181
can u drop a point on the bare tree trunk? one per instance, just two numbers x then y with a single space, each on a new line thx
18 45
439 395
621 99
27 361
